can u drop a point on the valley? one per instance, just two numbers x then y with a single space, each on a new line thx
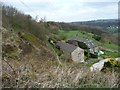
48 54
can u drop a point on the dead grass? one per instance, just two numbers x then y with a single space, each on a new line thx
50 75
34 72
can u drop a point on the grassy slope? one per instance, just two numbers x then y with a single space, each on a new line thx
39 69
69 34
112 46
38 72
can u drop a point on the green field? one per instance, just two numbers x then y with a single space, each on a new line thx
70 34
112 46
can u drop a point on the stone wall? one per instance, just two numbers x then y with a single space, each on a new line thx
78 55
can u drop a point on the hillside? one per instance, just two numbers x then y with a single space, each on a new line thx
30 60
29 63
105 36
107 25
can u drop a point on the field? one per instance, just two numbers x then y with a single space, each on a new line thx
112 46
70 34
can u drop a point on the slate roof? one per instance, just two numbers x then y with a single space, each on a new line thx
66 47
88 42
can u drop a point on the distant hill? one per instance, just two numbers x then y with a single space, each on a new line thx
107 25
80 27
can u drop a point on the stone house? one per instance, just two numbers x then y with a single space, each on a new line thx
85 44
74 52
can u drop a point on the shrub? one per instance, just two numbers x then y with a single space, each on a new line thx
96 37
111 62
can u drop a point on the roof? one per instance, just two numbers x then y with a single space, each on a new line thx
88 42
66 47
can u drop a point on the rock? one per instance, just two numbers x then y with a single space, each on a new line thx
118 59
97 66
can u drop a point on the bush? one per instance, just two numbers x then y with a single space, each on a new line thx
96 37
111 62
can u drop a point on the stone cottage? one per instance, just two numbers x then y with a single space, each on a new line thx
74 52
85 44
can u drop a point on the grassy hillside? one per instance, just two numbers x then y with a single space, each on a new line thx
106 37
30 61
70 34
13 19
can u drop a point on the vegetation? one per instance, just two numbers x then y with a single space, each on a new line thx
96 37
108 25
30 61
112 46
105 36
76 33
112 54
112 62
16 20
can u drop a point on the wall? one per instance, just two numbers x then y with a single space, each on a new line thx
78 55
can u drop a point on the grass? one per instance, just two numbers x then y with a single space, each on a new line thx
35 71
31 38
92 62
100 80
112 46
69 34
13 56
55 50
11 51
112 54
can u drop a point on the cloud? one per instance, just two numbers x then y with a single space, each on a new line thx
68 10
29 1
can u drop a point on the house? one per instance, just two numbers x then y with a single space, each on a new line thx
85 44
74 52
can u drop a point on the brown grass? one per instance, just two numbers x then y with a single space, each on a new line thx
41 74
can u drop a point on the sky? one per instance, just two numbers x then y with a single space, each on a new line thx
67 10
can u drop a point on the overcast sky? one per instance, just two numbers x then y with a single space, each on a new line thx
67 10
